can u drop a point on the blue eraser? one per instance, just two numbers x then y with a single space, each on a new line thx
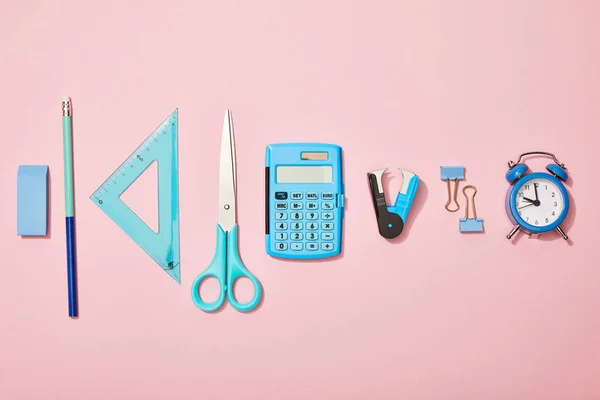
32 200
452 173
470 225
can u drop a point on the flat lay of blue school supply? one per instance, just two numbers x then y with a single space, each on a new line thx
304 205
159 147
391 219
304 200
537 202
226 266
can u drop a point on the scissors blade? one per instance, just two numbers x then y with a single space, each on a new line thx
227 180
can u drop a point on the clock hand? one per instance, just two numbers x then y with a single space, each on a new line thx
528 205
534 202
536 193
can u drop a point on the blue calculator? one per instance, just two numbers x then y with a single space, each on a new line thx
304 200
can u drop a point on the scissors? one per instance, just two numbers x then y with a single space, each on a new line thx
226 265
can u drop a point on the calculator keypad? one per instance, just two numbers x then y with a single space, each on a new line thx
327 246
311 215
327 226
296 236
326 205
312 236
304 221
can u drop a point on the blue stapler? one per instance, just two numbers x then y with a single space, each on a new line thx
391 219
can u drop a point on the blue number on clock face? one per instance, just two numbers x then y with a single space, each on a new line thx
539 202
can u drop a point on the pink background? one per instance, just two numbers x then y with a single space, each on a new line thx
411 84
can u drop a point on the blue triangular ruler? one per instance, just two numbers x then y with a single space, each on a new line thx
162 246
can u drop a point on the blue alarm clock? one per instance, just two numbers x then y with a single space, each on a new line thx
537 202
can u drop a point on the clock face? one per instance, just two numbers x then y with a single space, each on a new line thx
540 202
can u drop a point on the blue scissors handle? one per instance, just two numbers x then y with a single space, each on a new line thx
235 270
226 267
217 270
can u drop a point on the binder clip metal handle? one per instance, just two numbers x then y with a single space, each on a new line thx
455 174
467 224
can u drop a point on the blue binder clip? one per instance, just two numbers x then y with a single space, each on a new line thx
391 219
467 224
452 174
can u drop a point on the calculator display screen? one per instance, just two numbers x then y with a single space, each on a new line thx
304 174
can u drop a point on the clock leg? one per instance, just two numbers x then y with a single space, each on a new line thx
559 229
512 233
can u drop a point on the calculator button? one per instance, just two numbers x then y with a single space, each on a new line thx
311 246
280 236
281 206
311 206
312 236
313 226
312 196
296 215
297 206
296 236
327 196
327 226
281 195
327 215
311 215
327 236
296 226
281 225
280 246
327 205
296 195
296 246
280 215
327 246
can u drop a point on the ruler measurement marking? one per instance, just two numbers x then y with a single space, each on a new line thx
107 195
121 171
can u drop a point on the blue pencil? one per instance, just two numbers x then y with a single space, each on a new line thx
69 209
